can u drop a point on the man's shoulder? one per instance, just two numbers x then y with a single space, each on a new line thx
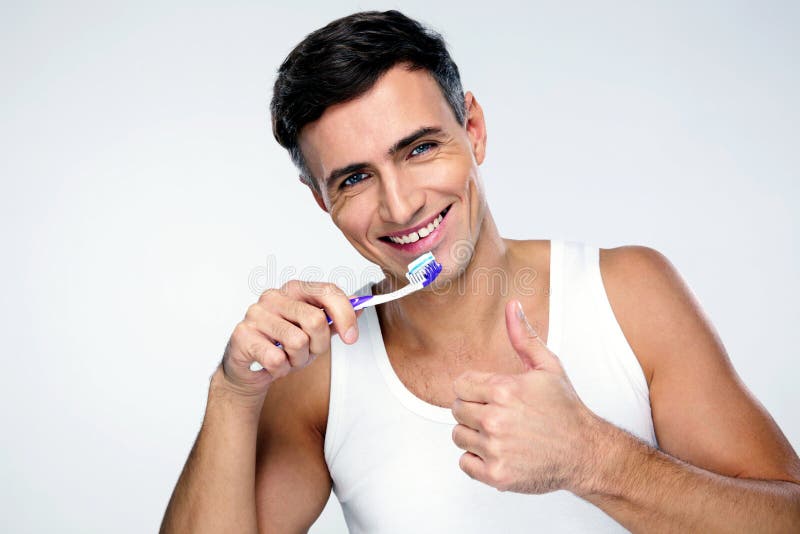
639 276
647 295
635 259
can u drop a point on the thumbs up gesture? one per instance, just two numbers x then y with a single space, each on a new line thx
529 432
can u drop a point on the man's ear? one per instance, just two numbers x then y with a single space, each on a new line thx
317 195
476 126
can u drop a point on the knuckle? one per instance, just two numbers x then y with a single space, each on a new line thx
463 463
240 331
311 288
241 335
290 286
253 311
503 484
318 346
274 361
497 476
456 434
501 394
333 289
267 294
295 340
317 320
490 423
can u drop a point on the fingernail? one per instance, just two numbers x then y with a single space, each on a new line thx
521 315
350 335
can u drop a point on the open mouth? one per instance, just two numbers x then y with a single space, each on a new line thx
421 232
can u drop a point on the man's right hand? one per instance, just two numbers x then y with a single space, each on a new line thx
293 316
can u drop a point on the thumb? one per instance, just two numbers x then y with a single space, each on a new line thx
530 348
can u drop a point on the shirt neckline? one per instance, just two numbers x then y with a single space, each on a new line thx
438 413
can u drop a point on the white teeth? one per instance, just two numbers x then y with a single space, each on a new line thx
419 234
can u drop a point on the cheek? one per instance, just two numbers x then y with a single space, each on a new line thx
448 175
462 178
350 218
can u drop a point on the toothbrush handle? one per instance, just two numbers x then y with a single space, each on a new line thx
356 302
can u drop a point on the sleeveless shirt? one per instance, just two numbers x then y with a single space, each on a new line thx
390 454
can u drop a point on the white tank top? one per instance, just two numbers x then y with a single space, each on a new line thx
390 454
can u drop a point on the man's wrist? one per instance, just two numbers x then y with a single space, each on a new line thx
604 461
224 390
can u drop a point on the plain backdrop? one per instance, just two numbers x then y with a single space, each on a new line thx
145 204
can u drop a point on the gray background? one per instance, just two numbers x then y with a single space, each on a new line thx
144 202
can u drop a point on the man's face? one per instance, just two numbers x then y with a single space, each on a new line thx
395 164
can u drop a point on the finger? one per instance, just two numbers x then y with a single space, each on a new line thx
526 342
311 320
469 413
473 386
333 300
254 347
294 341
473 465
470 440
272 359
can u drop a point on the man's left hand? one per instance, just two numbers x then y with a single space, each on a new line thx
529 432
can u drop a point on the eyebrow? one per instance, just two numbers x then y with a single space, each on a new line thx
394 149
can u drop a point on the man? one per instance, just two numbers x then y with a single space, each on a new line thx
596 397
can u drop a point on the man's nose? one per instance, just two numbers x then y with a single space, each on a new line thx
401 200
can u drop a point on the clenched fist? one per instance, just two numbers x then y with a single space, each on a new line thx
285 330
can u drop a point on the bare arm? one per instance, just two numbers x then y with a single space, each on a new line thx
216 490
647 490
292 479
260 445
723 464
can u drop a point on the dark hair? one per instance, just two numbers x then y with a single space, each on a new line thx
343 60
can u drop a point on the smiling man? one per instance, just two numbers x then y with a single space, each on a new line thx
596 398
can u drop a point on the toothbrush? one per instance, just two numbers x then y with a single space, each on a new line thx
421 272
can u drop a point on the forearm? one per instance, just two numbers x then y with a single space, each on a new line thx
645 489
216 490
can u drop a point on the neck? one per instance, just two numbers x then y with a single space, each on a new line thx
466 309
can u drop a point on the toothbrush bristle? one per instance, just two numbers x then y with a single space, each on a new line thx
424 270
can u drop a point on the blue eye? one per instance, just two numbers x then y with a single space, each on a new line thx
421 149
353 179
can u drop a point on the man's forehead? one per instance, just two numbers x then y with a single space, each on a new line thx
363 129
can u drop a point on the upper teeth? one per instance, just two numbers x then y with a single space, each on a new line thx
415 236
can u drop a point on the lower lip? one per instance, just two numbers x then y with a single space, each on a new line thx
423 244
